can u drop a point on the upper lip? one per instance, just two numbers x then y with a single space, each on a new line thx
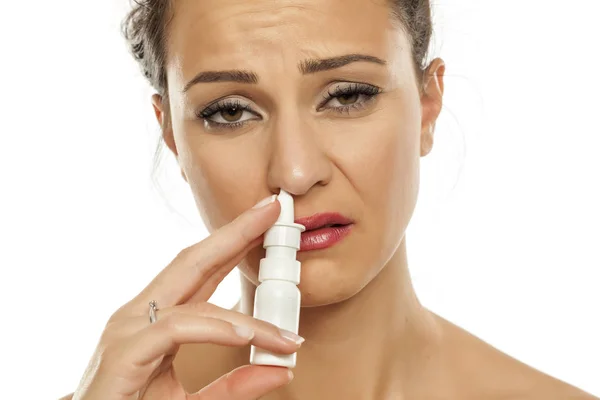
322 220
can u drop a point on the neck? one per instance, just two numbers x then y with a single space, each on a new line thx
368 344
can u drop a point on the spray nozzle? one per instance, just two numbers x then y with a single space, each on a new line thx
287 208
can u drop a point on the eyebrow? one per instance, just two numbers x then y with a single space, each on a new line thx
222 76
314 66
306 67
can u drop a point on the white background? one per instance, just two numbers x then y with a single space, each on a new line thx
510 253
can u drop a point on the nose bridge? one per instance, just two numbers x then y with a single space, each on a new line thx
297 161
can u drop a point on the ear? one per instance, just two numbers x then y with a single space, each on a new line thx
431 102
162 113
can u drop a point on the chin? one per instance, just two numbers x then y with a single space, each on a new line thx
328 276
326 281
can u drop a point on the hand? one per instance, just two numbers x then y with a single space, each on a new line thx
133 359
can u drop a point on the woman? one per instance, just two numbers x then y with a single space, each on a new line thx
331 102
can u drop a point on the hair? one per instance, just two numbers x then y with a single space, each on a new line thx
145 30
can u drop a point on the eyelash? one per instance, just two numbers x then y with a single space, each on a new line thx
360 89
224 105
369 91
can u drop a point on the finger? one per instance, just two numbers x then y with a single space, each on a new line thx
129 363
248 382
267 335
209 287
132 308
164 336
193 266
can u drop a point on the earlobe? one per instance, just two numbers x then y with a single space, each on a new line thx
427 141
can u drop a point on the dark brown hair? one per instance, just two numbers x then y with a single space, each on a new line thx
145 28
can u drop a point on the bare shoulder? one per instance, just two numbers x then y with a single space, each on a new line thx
492 374
548 387
532 384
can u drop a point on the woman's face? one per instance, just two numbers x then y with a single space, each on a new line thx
292 111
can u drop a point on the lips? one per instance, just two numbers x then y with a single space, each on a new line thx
324 230
323 220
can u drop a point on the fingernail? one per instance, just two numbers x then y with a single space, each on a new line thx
265 201
290 374
291 336
244 332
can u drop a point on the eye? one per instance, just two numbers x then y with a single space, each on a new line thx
352 96
347 99
229 113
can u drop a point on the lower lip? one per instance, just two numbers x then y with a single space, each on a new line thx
323 238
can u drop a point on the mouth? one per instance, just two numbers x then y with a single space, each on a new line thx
324 230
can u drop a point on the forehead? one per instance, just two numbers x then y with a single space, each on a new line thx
276 34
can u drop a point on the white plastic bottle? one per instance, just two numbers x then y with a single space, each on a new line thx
277 298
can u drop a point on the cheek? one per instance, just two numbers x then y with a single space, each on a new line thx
218 171
397 176
383 165
385 173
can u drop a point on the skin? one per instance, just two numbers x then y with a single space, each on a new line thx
362 320
367 335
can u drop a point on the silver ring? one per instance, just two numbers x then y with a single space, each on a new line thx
152 311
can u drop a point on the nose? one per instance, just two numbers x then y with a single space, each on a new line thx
297 159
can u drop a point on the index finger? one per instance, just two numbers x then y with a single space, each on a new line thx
194 265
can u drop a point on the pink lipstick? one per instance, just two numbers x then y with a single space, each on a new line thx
323 230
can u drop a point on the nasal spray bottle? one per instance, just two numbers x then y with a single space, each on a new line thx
277 298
